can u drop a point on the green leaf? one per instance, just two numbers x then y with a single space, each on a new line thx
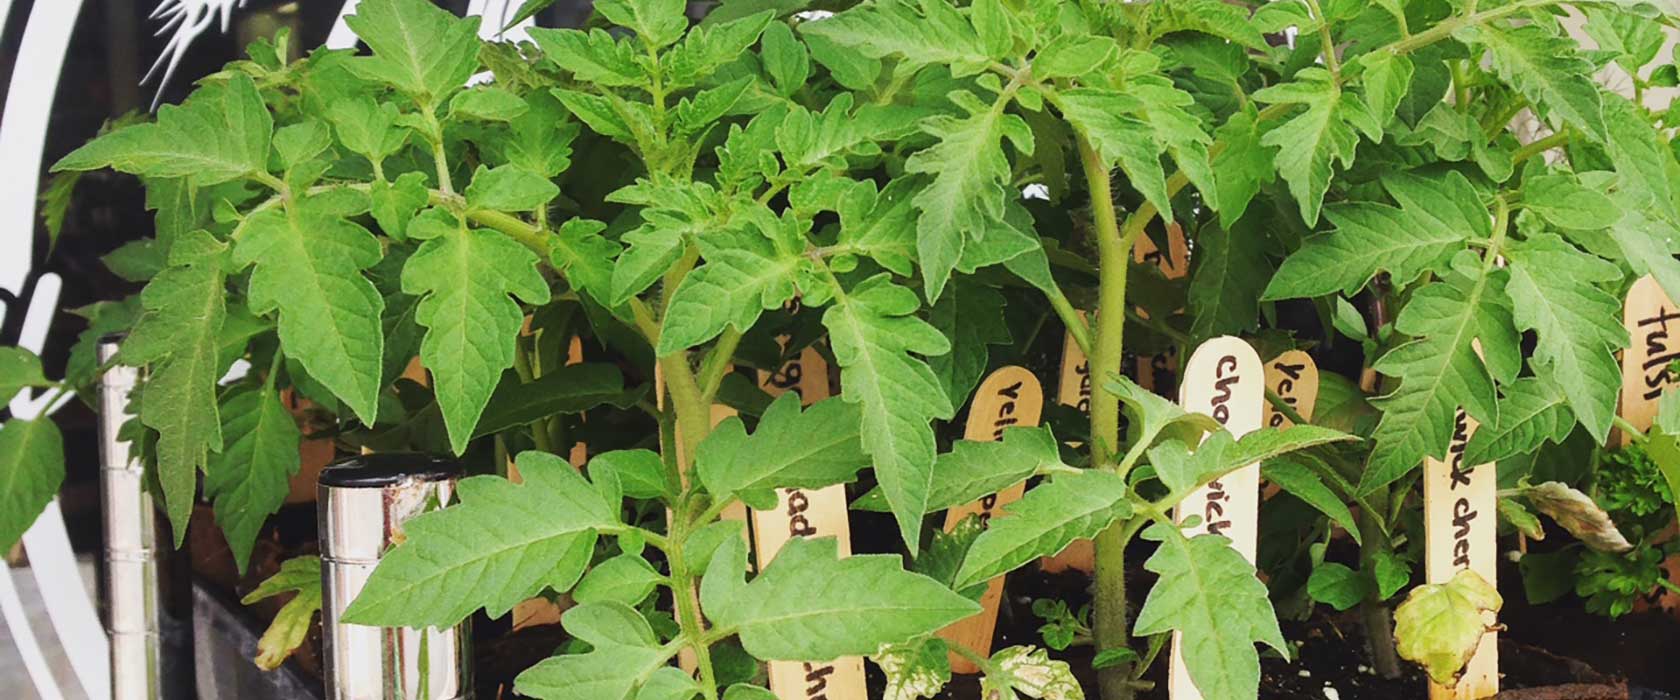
1220 454
975 469
1439 372
1387 78
1298 480
365 127
1337 586
1241 169
31 470
1549 70
585 257
419 48
669 683
742 691
659 23
820 446
967 193
55 205
19 369
1440 624
1108 118
1231 272
1071 506
1531 413
1664 449
250 478
873 332
498 547
569 389
1151 413
641 473
1435 218
623 651
488 103
1072 55
626 579
914 670
1578 324
971 315
395 204
1209 593
708 48
882 227
1641 157
927 32
510 188
300 575
1562 200
221 133
738 283
785 59
178 338
468 279
1313 140
309 267
812 605
297 143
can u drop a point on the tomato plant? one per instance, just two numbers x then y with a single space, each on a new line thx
1442 183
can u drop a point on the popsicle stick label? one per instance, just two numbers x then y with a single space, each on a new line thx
1009 397
1293 376
805 513
1653 324
1159 373
1074 390
1224 379
1459 503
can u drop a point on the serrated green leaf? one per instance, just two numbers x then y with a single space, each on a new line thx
1312 141
251 477
1108 119
297 143
497 547
971 315
1439 372
1337 586
882 227
1562 200
974 469
1440 625
1531 413
468 280
641 473
365 127
1289 474
737 284
1388 77
876 339
221 133
488 103
31 470
1642 161
178 338
1045 521
669 683
1073 55
1208 592
1578 324
419 48
623 652
1231 272
967 193
812 605
396 203
510 188
300 575
1241 169
928 32
1221 454
708 48
659 23
569 389
19 369
785 59
810 449
625 579
309 267
1548 70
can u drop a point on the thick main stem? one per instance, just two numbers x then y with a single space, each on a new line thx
1110 613
688 616
1373 612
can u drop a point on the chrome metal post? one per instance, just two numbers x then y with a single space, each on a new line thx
363 504
151 655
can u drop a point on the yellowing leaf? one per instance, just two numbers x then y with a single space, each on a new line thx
1439 625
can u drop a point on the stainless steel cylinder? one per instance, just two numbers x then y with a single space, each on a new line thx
151 654
363 504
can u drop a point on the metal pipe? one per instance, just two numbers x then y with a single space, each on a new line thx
132 598
363 503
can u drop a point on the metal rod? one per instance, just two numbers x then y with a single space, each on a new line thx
363 503
130 581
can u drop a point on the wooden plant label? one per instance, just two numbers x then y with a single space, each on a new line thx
1009 397
1648 316
1460 526
1223 379
1293 376
579 454
1074 390
1159 373
802 513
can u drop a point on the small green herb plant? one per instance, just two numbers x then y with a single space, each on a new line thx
908 171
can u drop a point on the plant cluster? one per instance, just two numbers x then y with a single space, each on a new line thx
1439 181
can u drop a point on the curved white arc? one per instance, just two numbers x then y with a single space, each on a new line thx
495 13
37 319
71 610
23 133
341 36
17 622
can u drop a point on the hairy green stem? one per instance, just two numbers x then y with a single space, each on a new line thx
1110 617
687 598
718 363
1373 612
1539 146
1331 62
